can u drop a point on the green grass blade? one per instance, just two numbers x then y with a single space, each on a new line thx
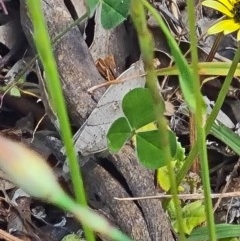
186 79
222 231
227 136
200 118
44 48
204 68
147 49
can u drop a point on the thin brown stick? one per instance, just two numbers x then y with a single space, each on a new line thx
227 184
111 82
8 237
182 196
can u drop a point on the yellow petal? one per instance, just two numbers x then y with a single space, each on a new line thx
227 3
226 26
218 6
231 27
233 1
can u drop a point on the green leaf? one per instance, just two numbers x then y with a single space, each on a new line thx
171 209
227 136
114 12
72 237
163 177
92 5
138 107
14 91
180 153
193 216
185 80
222 231
118 134
149 151
162 172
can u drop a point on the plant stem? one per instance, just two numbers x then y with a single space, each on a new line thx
147 49
224 90
200 116
90 218
221 97
43 44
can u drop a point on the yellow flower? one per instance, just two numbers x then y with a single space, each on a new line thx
231 10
